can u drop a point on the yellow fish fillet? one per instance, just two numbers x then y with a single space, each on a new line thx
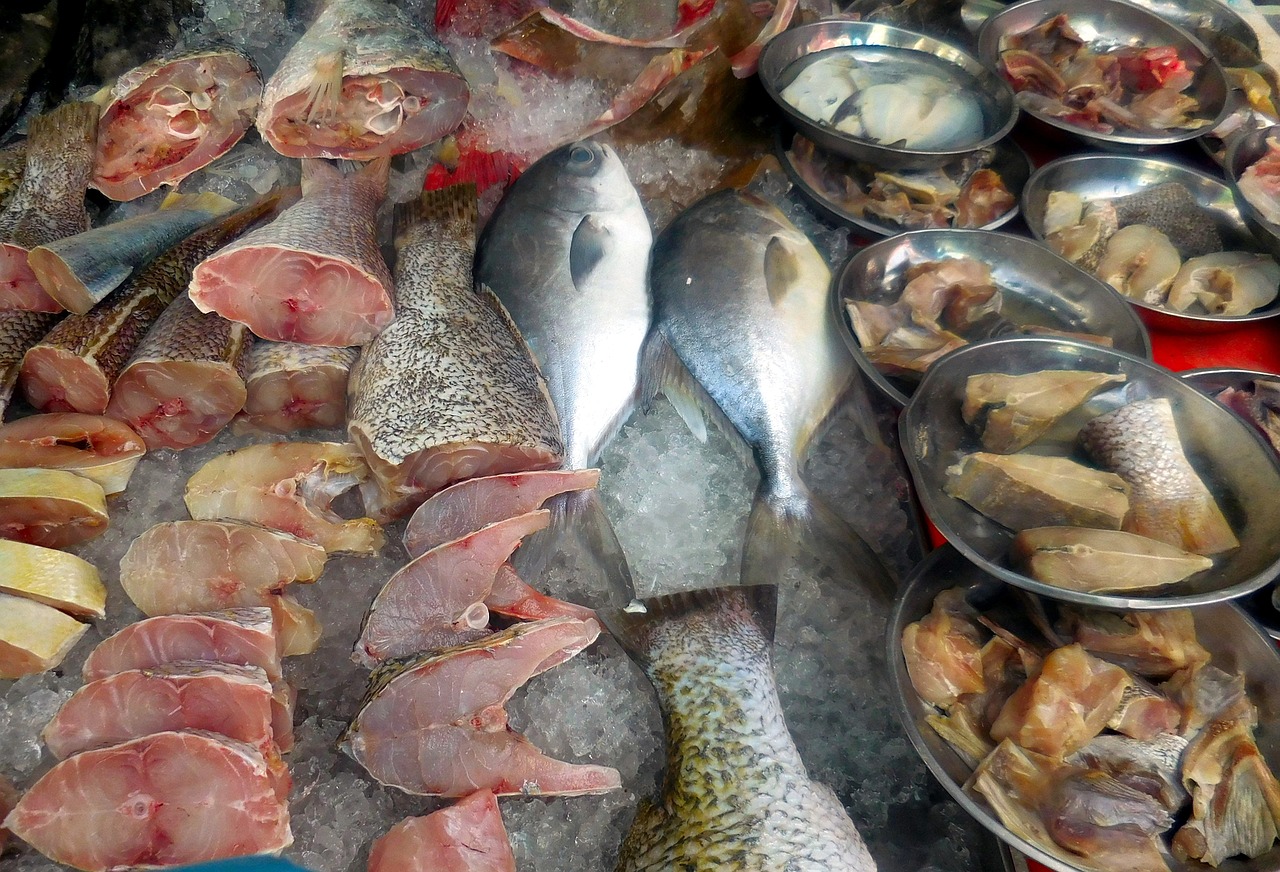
54 578
34 637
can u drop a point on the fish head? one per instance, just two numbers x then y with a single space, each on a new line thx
583 176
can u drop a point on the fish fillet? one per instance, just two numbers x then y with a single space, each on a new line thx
294 387
52 577
34 637
102 450
468 836
50 507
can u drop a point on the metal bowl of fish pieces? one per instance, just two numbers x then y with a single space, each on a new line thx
895 67
1235 643
1108 176
1239 469
1038 289
1110 24
1243 152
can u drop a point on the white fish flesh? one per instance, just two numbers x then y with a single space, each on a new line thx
292 387
102 450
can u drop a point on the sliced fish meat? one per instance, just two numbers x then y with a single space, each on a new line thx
943 652
34 637
1012 411
19 330
449 390
172 116
79 271
314 275
185 380
437 600
435 724
1140 262
364 81
1226 283
1100 561
1153 644
73 368
163 800
467 836
294 387
1032 490
52 577
512 598
287 486
50 507
49 202
101 449
244 637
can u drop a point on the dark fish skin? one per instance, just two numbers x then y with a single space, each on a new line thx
19 330
1171 209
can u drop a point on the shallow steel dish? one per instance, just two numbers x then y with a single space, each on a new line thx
886 45
1235 642
1237 466
1008 160
1038 287
1108 24
1104 176
1244 151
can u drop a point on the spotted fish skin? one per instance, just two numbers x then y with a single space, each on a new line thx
449 390
48 203
750 805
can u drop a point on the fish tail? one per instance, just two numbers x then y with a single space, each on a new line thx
205 201
377 173
711 610
579 517
788 524
451 212
69 129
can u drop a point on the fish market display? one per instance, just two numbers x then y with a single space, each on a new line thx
363 82
138 804
19 330
751 804
1259 182
49 202
449 390
74 367
313 275
287 486
293 387
1100 89
1101 561
733 258
79 271
1121 746
567 253
34 637
966 193
52 577
1012 411
50 507
467 836
171 116
1259 404
103 450
224 566
185 380
912 106
435 724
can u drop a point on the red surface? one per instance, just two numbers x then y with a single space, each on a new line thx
1254 347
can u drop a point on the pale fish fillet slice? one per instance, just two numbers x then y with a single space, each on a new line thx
435 725
50 507
101 449
244 636
438 599
163 800
287 486
294 387
34 637
465 837
52 577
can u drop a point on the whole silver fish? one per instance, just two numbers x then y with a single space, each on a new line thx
567 252
749 805
742 329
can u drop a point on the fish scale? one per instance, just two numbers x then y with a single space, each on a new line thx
49 202
19 330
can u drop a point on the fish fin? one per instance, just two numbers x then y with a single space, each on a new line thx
454 210
377 172
578 515
318 172
69 126
782 269
205 201
663 372
802 523
634 626
324 92
586 249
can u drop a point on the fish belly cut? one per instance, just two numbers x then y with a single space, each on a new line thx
512 598
19 287
244 637
177 404
1025 490
465 837
102 450
295 387
1153 644
1102 560
232 701
57 380
34 637
50 507
52 577
438 599
163 800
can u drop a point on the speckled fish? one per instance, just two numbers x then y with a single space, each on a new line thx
172 116
49 202
567 252
73 368
52 577
185 381
315 274
19 330
363 82
750 805
742 328
81 270
294 387
1169 501
34 637
50 507
13 165
467 836
449 390
101 449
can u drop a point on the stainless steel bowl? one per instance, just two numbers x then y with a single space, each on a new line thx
1242 153
1008 160
1239 469
1038 286
1112 23
1234 641
1103 176
886 45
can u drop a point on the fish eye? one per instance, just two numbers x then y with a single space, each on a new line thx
582 155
